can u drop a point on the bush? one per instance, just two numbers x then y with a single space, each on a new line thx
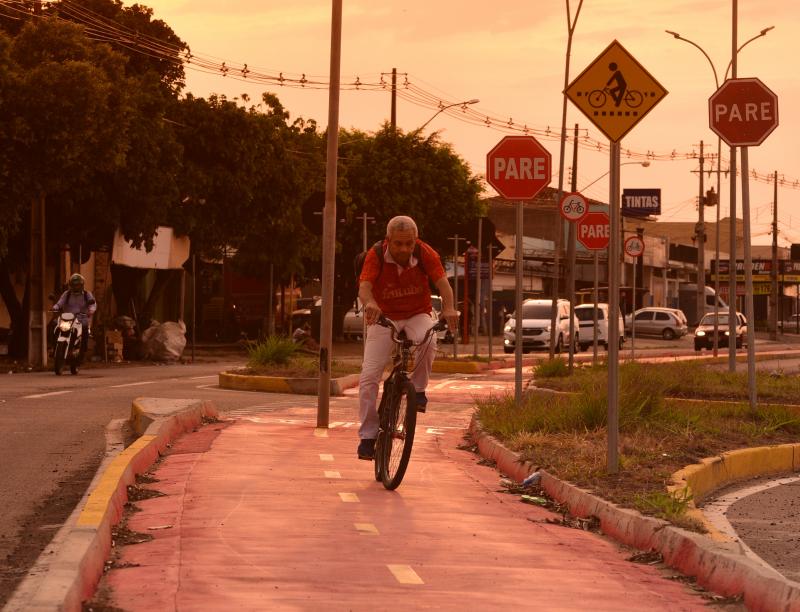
552 368
275 350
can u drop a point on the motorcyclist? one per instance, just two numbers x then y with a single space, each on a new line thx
82 304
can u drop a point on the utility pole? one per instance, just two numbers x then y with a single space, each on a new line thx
455 240
773 307
394 99
329 220
365 218
701 245
571 257
732 236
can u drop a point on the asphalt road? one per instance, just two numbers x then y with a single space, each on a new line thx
769 523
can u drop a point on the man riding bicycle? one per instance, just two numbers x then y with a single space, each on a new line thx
398 287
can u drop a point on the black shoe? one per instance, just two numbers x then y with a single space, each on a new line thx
422 401
366 449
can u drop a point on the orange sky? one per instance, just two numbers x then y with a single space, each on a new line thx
510 55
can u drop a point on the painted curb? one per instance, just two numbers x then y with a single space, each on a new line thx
719 567
68 570
277 384
713 473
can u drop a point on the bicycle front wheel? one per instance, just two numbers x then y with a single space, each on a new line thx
398 435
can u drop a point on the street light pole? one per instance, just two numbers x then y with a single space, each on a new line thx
444 108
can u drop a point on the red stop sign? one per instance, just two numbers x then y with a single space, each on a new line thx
518 167
743 112
594 230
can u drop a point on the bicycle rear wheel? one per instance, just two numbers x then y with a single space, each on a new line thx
397 435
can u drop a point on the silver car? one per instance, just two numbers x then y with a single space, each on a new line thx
668 323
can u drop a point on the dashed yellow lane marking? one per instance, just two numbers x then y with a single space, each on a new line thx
404 574
349 497
325 457
332 474
366 528
320 432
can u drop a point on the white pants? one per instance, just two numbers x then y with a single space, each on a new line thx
377 352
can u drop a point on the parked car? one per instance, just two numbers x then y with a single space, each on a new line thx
536 327
352 326
585 314
669 323
791 324
704 334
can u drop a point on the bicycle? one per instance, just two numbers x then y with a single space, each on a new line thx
632 98
397 411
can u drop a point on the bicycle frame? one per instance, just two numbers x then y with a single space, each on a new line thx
391 426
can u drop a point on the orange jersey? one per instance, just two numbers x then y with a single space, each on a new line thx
401 294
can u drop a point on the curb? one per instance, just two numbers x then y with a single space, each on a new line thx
719 567
68 570
700 479
278 384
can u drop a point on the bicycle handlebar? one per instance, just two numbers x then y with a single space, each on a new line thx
385 321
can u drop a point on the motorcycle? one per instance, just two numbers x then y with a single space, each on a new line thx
68 337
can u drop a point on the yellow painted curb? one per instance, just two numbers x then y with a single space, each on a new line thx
459 367
100 498
701 479
270 384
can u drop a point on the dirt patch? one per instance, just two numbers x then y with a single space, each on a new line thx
646 462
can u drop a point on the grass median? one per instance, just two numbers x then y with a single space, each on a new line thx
666 422
280 356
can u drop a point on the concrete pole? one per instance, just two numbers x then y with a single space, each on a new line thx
701 245
571 257
773 311
329 220
455 240
478 310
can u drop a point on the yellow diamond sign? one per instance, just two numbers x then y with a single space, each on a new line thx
615 92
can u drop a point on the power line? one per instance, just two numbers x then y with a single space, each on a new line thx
102 29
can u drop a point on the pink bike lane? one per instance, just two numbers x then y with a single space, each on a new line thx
262 511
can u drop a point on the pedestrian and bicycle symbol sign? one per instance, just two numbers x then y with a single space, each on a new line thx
615 92
573 207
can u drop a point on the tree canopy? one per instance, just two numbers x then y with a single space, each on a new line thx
101 131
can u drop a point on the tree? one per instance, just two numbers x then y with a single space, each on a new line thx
392 173
244 181
77 128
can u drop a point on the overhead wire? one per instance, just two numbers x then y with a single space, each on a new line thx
103 29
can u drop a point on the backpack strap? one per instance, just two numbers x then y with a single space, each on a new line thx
417 252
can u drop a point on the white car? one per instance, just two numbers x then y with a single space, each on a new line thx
585 314
536 327
352 327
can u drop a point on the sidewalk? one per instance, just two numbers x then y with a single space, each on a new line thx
262 511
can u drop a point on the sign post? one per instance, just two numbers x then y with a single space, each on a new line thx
615 92
634 247
518 167
593 233
743 112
